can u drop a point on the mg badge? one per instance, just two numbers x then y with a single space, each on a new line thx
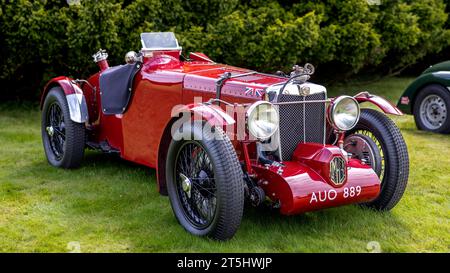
304 91
337 170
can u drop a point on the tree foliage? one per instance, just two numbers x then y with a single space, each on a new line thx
44 38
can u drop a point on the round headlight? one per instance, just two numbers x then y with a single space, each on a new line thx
344 113
262 120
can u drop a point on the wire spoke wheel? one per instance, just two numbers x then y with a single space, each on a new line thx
62 138
56 131
205 181
196 184
381 168
377 141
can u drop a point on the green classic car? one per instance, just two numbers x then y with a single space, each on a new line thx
428 99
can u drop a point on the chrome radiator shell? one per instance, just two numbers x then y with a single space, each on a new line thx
300 122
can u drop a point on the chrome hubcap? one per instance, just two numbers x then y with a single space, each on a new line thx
50 131
186 184
433 112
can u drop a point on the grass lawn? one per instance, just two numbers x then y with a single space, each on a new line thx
110 205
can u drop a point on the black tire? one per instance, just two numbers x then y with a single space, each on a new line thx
225 174
64 147
441 106
390 142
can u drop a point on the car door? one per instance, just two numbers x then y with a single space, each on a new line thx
155 93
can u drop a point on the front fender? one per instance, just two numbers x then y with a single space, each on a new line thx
406 100
212 114
382 103
74 95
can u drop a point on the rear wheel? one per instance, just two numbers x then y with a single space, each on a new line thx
431 108
205 182
385 150
63 139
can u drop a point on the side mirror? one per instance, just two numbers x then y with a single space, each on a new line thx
131 57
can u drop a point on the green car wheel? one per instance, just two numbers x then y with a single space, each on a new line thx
431 109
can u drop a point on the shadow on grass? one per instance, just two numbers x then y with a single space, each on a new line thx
320 220
98 159
120 197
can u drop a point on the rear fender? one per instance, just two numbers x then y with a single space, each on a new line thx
74 96
382 103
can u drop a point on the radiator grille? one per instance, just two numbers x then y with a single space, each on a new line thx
302 122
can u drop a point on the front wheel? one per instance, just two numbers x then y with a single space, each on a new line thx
378 142
205 182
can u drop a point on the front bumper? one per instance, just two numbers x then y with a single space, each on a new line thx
303 184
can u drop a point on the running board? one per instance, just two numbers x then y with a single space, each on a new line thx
103 147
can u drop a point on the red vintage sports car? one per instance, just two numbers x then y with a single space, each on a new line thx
220 136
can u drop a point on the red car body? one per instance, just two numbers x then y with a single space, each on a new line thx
142 133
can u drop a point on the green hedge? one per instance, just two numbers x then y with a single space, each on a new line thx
41 39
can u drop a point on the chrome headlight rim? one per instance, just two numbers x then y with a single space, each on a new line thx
248 114
334 105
